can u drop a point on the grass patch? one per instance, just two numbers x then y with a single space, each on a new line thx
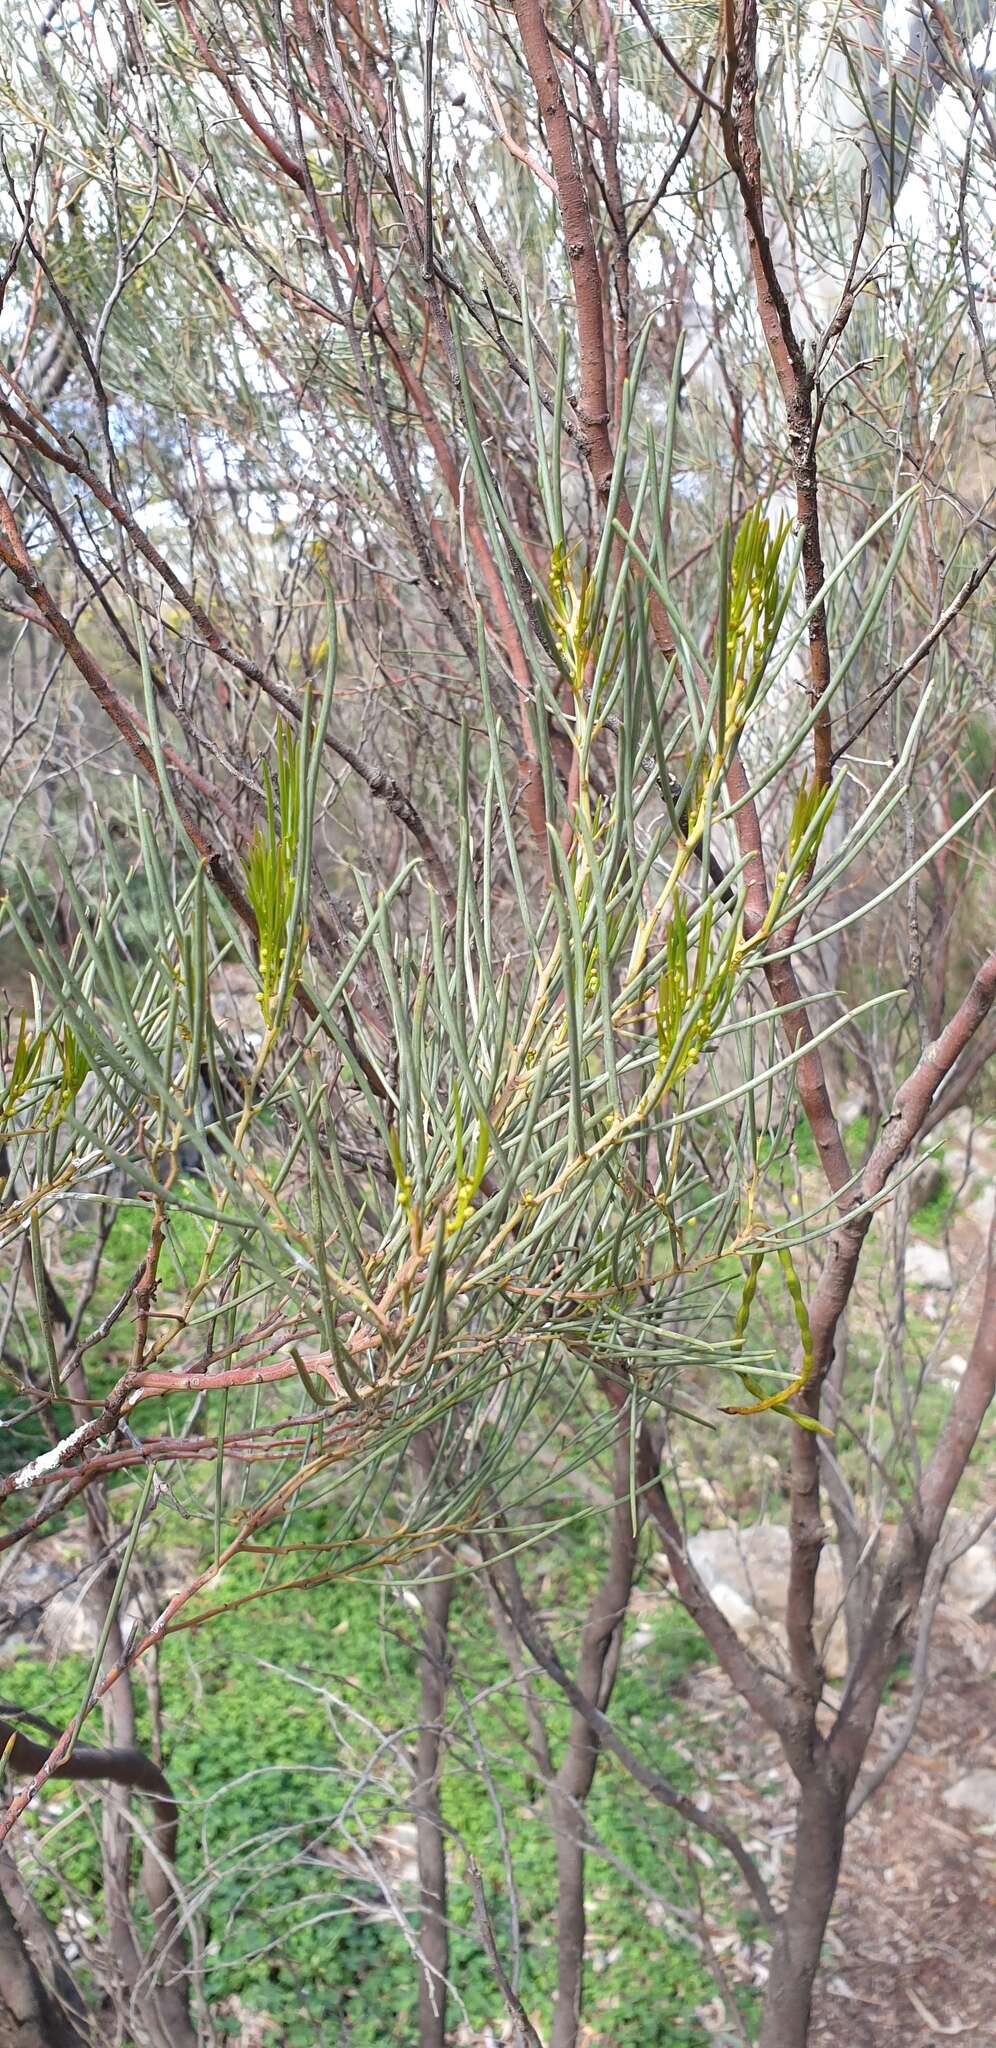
933 1219
288 1732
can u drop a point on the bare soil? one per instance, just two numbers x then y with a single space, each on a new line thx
910 1956
913 1939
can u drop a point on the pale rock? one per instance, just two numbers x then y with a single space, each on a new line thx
42 1603
747 1574
738 1612
396 1850
928 1265
235 1003
642 1614
849 1110
971 1580
255 2029
50 1599
975 1795
980 1211
951 1369
69 1625
926 1181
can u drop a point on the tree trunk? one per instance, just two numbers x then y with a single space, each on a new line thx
568 1821
436 1595
39 1938
157 1983
601 1644
819 1843
29 2018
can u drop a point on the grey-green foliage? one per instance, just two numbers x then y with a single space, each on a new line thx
560 1167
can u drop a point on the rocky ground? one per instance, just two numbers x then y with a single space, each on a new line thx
912 1938
909 1955
910 1960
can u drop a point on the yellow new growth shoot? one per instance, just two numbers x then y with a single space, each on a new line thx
777 1403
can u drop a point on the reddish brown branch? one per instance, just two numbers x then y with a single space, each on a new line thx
796 380
604 1733
593 409
901 1129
